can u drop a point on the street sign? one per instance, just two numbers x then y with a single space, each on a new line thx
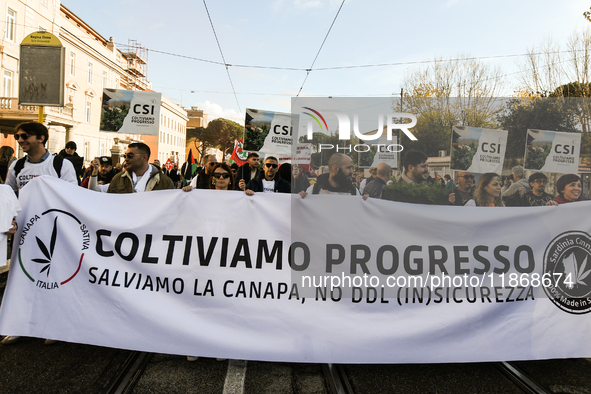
41 71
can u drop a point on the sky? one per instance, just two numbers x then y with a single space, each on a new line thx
289 34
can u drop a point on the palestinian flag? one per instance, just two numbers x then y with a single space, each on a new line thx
189 168
238 155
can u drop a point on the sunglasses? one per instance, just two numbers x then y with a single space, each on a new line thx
221 175
269 165
466 176
24 136
130 155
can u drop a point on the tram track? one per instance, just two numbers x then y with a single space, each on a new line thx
336 379
129 373
520 378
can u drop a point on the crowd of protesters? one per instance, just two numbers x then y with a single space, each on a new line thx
137 175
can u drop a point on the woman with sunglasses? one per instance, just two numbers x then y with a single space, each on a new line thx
570 189
221 178
488 192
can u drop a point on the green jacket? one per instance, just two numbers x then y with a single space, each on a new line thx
123 183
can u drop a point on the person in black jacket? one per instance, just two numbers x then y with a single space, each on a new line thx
70 153
270 182
248 171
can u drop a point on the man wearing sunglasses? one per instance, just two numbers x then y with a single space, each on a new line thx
461 194
536 197
31 137
139 176
201 181
270 181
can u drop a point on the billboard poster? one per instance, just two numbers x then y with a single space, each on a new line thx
268 132
552 151
130 111
479 150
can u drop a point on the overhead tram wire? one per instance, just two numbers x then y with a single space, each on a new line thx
222 53
319 49
324 68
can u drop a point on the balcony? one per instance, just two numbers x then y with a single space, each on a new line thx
11 113
11 104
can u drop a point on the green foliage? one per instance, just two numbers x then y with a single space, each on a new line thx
535 158
424 192
112 117
437 115
551 114
223 133
254 137
461 156
220 133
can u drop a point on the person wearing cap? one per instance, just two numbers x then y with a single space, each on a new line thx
102 174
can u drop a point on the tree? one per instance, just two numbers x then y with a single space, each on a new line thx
534 113
549 66
577 95
224 132
450 92
200 139
220 133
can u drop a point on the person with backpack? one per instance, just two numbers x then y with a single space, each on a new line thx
32 137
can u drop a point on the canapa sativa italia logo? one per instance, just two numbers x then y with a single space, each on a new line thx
51 248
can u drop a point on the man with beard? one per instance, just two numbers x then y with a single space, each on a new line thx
270 182
415 167
139 175
536 197
337 180
102 174
461 194
32 137
201 181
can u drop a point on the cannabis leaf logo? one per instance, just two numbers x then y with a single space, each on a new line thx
47 253
577 271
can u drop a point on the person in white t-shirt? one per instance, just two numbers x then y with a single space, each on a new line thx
32 136
269 181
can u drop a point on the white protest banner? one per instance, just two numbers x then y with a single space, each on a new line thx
552 151
479 150
191 281
130 111
268 132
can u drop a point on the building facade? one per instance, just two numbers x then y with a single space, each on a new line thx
92 63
